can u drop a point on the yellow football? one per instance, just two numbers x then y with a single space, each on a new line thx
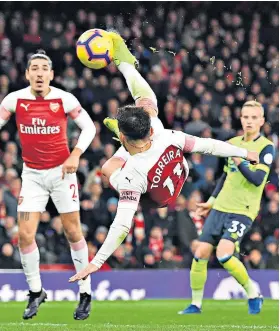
94 49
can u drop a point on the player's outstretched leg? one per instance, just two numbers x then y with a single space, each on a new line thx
138 87
121 52
237 269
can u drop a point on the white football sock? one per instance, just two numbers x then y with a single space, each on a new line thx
197 297
30 260
251 289
79 253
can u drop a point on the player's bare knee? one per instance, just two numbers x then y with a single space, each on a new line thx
194 245
72 226
201 254
26 233
73 232
73 236
26 238
225 248
203 250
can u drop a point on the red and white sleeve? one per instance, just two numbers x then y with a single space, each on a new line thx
71 105
74 109
193 144
213 147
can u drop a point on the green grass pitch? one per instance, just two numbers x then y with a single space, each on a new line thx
144 315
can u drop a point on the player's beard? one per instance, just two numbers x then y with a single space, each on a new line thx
43 89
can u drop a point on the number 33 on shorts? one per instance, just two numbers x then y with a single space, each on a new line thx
238 228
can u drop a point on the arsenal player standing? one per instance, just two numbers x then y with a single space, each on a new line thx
49 171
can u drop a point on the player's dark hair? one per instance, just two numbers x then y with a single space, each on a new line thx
40 54
134 122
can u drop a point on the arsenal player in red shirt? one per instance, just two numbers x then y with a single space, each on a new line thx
49 170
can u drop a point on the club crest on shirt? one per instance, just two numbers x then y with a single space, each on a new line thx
20 199
54 106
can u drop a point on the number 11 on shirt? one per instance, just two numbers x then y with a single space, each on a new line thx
169 183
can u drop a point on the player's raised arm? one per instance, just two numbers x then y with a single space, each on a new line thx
193 144
222 149
140 90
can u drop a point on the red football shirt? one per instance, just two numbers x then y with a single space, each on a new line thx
42 125
160 172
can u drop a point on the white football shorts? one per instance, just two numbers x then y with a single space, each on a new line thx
39 185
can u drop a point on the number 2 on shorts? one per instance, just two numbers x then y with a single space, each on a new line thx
73 187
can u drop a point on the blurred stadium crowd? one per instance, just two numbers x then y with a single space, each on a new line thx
202 64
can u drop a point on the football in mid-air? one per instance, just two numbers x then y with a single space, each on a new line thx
95 49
